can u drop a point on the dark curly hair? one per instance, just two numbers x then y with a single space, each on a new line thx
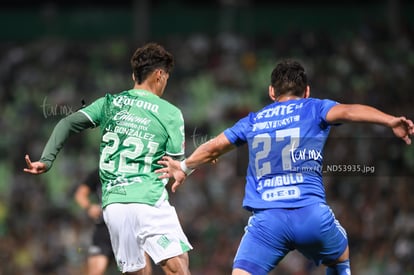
289 78
149 58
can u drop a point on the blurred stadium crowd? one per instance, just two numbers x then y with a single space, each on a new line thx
216 81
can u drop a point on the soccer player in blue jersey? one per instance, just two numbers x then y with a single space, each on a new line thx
284 189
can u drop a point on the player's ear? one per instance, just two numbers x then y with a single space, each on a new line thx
272 93
307 92
133 77
158 74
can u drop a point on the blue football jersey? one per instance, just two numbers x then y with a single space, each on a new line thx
286 141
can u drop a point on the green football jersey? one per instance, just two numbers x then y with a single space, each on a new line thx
137 129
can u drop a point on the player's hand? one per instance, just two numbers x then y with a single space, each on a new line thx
403 128
35 168
171 169
94 211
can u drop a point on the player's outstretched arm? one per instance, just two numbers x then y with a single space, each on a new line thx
401 126
73 123
205 153
35 168
209 151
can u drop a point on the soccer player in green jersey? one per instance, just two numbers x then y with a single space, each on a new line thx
138 128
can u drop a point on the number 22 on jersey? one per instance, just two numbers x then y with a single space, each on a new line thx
129 150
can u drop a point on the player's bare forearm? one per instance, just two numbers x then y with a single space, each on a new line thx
210 151
401 126
205 153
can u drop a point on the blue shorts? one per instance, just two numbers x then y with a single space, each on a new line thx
272 233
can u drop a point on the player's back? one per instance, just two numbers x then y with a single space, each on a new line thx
137 128
286 141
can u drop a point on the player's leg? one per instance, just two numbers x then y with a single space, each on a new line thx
164 239
101 239
320 237
97 264
100 251
264 243
148 265
237 271
341 266
176 265
122 221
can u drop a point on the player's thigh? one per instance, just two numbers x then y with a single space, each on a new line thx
264 243
123 222
97 264
162 234
318 234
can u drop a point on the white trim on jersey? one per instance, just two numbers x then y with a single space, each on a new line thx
162 198
174 155
91 120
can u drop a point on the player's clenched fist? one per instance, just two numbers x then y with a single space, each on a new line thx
36 167
403 128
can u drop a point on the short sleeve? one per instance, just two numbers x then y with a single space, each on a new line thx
176 135
237 134
326 105
94 111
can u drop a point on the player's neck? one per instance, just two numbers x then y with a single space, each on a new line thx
146 86
283 98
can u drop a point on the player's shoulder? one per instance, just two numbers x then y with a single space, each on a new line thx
166 106
170 106
312 100
113 95
319 101
108 97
